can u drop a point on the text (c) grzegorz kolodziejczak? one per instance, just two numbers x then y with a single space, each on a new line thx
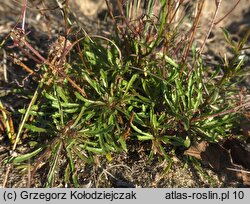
79 195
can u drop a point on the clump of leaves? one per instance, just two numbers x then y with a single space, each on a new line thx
181 99
139 86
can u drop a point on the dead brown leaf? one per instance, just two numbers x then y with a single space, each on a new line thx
239 152
216 156
230 158
195 150
245 125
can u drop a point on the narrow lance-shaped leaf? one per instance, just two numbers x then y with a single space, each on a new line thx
130 83
34 128
25 157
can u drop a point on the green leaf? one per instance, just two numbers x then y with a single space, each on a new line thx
50 97
104 78
70 158
171 61
187 142
80 97
66 105
123 144
73 110
214 96
203 133
140 131
80 155
79 117
25 157
186 123
165 154
91 57
55 160
145 137
95 150
239 65
32 113
67 175
110 56
93 83
130 83
155 122
168 167
60 92
228 37
34 128
75 180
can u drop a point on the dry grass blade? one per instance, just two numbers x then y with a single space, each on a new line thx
191 37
